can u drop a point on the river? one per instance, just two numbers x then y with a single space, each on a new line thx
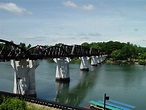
124 83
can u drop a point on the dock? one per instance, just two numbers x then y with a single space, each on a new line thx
110 105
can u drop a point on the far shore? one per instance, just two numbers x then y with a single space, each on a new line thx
120 62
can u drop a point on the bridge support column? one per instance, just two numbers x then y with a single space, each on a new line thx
103 58
84 64
99 60
94 61
24 76
62 69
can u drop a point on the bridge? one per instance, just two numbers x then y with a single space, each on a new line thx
25 61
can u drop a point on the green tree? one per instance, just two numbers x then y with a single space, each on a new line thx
22 45
29 46
111 46
116 55
127 51
85 44
143 56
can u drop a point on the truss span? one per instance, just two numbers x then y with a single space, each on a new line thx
9 50
40 52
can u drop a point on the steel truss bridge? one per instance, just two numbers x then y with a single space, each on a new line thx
10 50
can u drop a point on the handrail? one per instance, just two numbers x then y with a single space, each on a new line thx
41 101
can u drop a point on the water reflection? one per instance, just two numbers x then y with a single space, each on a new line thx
131 75
125 83
76 95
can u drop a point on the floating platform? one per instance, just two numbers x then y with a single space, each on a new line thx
110 105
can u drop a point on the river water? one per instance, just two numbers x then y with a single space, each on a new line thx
124 83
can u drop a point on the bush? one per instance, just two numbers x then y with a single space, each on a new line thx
12 104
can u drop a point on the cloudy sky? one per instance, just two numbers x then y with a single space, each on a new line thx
48 22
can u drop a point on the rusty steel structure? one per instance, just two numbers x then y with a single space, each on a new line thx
10 50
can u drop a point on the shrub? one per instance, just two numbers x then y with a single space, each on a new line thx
12 104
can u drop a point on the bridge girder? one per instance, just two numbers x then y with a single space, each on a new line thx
79 51
40 52
55 52
9 50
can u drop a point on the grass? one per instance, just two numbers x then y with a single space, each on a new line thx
31 106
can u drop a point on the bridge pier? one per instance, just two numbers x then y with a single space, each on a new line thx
103 58
84 66
94 61
62 69
100 59
24 76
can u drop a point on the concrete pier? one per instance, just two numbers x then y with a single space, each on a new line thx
84 66
62 69
24 76
94 61
99 59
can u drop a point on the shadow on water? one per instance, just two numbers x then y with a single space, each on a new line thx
76 95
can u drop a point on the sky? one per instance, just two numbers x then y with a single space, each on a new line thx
47 22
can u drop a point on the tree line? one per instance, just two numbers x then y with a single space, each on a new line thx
120 52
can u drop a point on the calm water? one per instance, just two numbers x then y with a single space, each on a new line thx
124 83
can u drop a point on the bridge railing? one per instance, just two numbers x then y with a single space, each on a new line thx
40 101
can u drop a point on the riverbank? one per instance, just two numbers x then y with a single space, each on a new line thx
32 106
11 101
129 62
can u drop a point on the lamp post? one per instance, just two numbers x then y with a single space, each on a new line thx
105 99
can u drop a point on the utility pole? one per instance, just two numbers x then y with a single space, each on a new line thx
105 99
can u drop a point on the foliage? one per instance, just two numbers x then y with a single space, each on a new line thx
142 55
120 51
116 54
117 51
12 104
75 60
9 103
23 45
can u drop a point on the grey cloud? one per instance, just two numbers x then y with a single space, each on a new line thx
85 38
136 29
90 34
94 34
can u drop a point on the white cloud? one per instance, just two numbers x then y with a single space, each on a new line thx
88 7
13 8
71 4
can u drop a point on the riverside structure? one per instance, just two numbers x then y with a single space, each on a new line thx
25 61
